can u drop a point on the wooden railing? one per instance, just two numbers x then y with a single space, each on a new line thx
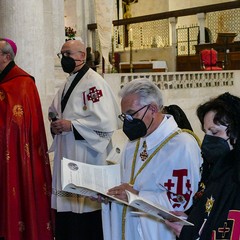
169 14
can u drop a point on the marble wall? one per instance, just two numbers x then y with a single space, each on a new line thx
156 6
187 90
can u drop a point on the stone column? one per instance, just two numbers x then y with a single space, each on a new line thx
58 39
90 18
23 21
37 28
201 19
78 14
173 22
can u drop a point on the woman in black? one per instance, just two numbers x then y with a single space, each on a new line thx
179 116
216 209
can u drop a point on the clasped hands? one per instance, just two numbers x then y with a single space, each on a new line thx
61 125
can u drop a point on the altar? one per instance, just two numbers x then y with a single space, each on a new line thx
228 52
144 66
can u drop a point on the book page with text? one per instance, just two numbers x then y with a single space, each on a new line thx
153 209
87 179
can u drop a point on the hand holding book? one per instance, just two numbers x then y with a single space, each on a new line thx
120 191
94 181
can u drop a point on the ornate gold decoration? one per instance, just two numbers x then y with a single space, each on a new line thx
26 149
114 70
134 176
131 56
127 8
202 185
2 95
18 110
144 154
209 204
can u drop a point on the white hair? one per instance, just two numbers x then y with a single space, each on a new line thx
147 91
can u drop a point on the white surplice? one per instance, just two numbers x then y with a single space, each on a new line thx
175 167
93 112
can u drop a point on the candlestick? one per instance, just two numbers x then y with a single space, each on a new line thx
112 30
130 35
131 62
114 70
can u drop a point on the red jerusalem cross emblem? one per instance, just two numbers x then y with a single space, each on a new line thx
94 94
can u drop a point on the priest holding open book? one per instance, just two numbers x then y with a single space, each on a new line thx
160 163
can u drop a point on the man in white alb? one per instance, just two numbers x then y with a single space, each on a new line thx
160 163
84 116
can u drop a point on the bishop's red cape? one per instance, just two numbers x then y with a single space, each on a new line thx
25 176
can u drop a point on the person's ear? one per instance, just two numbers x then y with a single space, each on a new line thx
153 107
83 55
7 57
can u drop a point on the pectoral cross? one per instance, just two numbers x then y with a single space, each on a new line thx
144 154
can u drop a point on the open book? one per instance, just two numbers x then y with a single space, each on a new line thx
153 209
91 180
87 179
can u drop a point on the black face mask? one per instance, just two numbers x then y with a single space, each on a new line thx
134 129
214 148
68 64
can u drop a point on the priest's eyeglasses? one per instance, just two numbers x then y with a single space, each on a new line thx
129 117
66 54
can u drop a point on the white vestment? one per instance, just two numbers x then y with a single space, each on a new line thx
174 170
93 111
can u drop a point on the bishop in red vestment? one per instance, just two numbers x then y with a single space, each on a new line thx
25 176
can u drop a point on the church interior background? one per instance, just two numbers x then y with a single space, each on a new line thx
157 39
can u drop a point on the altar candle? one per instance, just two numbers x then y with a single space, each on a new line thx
112 31
130 35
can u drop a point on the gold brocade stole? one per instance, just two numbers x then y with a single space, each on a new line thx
133 178
194 135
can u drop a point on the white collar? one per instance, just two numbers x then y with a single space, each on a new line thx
164 130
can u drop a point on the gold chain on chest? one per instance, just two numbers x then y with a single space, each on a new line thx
133 178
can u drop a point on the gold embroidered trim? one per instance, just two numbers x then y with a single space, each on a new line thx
194 135
2 95
18 110
133 178
27 150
